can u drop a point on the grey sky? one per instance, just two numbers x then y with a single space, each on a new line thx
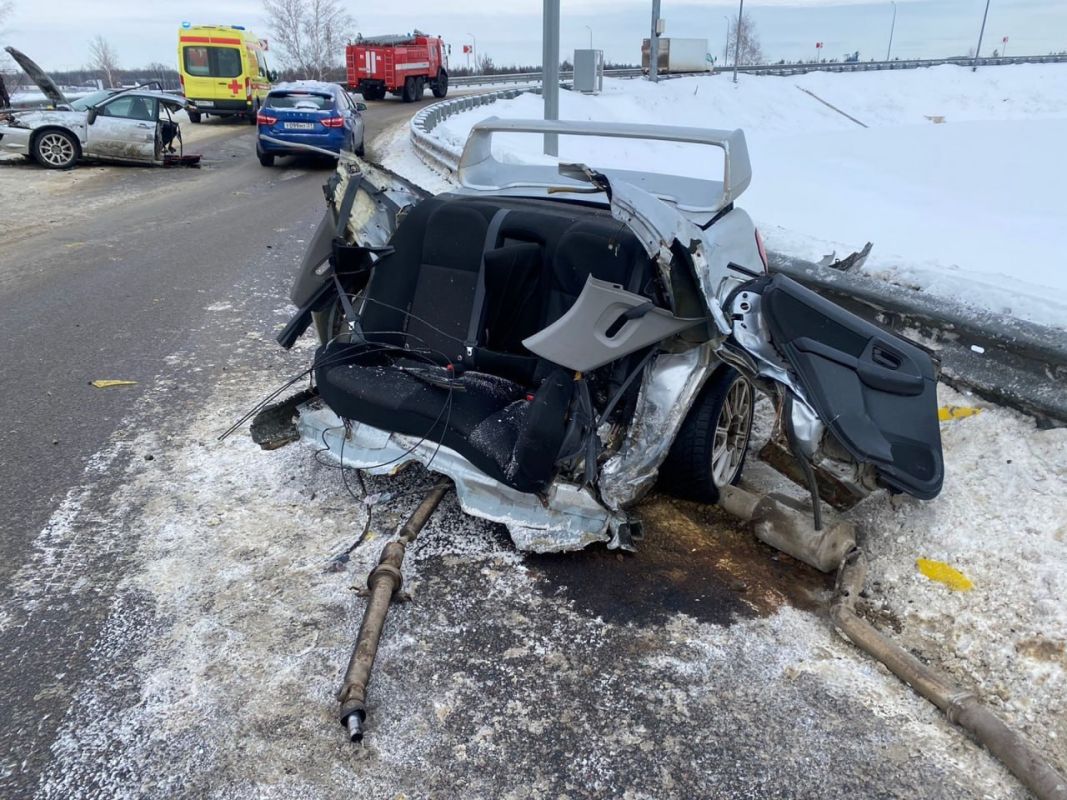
509 30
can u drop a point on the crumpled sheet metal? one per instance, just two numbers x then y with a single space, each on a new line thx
569 518
668 388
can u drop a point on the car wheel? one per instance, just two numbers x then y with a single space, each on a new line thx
254 114
266 159
420 88
361 150
709 451
408 95
55 149
194 117
440 86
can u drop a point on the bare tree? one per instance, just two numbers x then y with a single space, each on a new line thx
102 57
310 33
750 52
6 7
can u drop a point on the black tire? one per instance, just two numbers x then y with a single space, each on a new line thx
194 117
440 86
254 114
408 95
420 88
375 93
362 149
265 159
689 472
54 148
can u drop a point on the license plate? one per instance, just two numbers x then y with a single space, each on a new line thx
300 126
205 103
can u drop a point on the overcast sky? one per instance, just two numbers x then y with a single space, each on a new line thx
56 33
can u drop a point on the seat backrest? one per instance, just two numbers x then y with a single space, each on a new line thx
423 293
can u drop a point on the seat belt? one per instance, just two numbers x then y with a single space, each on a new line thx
478 310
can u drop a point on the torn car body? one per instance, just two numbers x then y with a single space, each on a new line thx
134 126
556 338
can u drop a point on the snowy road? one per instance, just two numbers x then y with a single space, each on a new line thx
169 627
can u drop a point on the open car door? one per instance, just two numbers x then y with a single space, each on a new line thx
876 392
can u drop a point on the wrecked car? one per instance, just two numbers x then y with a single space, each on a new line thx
556 338
130 125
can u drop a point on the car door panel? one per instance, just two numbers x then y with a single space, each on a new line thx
125 129
875 391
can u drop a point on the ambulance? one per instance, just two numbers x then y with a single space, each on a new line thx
223 70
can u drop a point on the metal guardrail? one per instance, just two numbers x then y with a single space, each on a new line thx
775 69
440 155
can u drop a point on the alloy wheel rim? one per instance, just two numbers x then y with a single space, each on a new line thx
56 149
732 429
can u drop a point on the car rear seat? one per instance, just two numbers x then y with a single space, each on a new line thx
505 412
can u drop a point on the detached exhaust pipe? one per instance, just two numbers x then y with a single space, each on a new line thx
787 525
962 708
383 582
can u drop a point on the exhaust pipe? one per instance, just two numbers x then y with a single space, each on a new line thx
383 583
962 708
785 524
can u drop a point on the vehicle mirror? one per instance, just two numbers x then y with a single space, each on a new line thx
272 76
361 106
91 117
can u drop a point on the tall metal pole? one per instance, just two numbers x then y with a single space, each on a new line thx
653 44
892 27
474 47
737 38
550 71
981 33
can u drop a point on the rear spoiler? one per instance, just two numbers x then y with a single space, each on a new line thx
480 170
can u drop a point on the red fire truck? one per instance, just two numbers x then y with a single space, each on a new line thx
402 65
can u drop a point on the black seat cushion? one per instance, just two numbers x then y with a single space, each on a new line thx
482 417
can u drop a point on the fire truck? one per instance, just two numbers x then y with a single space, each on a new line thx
402 65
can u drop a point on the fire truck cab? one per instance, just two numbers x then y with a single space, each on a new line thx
402 65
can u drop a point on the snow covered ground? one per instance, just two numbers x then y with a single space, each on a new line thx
958 179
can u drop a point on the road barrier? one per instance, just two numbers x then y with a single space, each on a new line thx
773 69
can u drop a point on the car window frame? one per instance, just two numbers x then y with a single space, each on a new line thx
102 108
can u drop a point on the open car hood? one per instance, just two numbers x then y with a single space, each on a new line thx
40 77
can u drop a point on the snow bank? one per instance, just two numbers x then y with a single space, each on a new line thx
971 207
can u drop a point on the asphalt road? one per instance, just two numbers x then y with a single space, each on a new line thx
111 295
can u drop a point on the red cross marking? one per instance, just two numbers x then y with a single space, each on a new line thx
234 86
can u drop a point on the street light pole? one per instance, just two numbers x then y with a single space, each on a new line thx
550 71
474 46
737 38
653 44
892 27
981 33
590 36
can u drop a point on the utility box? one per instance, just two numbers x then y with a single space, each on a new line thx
678 55
589 71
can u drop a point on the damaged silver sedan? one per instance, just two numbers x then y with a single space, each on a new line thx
557 338
134 126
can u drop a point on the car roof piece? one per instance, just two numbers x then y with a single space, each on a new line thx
39 76
480 170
